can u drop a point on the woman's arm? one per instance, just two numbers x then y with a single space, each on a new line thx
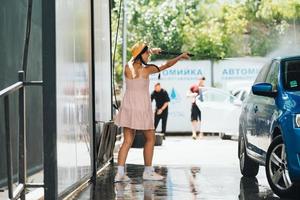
173 61
169 63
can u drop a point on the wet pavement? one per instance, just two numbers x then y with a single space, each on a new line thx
193 169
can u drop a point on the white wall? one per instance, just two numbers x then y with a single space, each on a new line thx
228 73
102 61
237 72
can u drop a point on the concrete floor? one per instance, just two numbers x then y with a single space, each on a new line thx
32 193
193 169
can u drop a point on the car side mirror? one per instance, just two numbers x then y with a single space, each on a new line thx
263 89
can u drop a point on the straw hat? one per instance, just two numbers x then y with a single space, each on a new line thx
137 48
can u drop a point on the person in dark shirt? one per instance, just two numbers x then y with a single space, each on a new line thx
162 100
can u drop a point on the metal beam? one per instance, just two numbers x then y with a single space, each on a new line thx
8 148
11 89
49 99
22 135
33 83
111 61
34 185
18 191
93 142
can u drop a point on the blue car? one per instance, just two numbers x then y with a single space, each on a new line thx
269 126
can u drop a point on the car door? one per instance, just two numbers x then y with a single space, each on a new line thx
266 110
210 107
250 111
218 112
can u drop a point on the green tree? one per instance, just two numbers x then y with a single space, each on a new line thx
208 28
159 26
269 21
118 68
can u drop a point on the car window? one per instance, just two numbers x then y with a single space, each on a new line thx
214 96
236 94
261 77
244 95
272 76
292 75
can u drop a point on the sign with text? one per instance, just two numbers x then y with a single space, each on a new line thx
178 79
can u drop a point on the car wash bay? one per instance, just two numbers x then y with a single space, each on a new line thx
74 104
206 168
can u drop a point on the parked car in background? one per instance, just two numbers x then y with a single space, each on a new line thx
241 93
269 128
220 112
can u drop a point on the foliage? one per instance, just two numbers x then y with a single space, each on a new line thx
118 72
210 29
159 26
279 10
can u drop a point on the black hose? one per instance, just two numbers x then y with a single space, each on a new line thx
27 38
114 57
163 52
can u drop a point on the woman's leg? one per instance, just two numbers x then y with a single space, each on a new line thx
149 173
128 139
149 147
194 128
194 119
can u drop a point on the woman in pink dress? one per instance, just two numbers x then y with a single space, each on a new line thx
136 111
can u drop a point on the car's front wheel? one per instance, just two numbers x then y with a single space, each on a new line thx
248 167
277 170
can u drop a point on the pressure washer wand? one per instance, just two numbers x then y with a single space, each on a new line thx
163 52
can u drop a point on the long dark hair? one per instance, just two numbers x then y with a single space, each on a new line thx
139 57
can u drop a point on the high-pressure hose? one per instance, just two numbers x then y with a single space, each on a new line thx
116 105
27 38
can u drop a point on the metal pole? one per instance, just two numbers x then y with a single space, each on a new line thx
93 142
124 47
22 134
212 72
295 33
111 62
49 100
124 58
8 148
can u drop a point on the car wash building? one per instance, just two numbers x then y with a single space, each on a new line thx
55 95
